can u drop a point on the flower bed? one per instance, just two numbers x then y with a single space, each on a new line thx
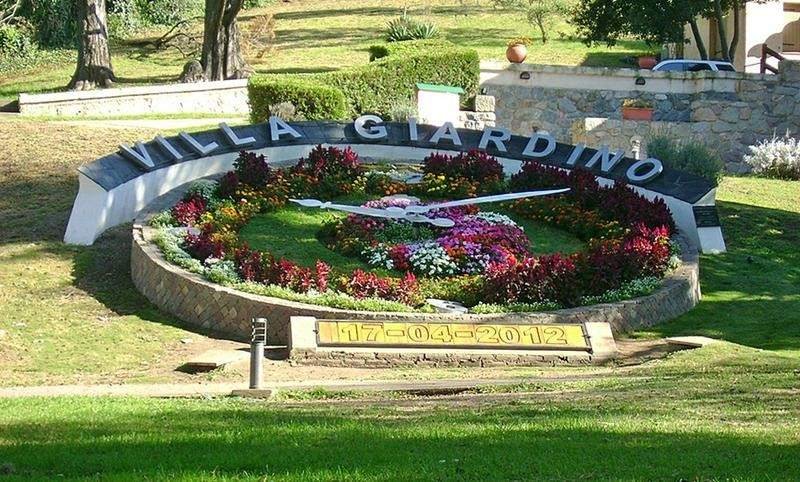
484 261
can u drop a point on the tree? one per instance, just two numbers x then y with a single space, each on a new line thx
8 11
221 57
540 13
94 60
658 22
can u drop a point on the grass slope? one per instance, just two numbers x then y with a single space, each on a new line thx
320 35
691 417
69 314
751 294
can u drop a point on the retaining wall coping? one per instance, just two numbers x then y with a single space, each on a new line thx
156 89
495 66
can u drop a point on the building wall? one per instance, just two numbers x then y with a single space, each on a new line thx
760 23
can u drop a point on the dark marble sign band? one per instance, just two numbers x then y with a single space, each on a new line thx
131 162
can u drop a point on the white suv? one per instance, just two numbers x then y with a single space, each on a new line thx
686 65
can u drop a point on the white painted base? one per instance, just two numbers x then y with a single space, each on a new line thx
711 240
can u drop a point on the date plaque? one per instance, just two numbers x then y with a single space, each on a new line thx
494 336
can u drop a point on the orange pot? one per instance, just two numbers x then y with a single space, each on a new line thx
647 62
637 113
517 54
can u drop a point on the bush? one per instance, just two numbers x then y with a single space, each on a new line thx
326 172
252 169
407 28
778 157
168 12
53 21
374 88
311 100
405 49
689 156
16 41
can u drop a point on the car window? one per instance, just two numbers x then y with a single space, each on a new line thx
698 67
726 68
672 67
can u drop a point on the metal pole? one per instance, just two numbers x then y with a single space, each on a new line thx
257 342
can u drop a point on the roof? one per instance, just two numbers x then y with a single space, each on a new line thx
439 88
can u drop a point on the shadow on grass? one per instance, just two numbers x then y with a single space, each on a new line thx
752 292
103 270
134 439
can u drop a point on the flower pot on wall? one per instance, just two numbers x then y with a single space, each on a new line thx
637 113
517 54
647 62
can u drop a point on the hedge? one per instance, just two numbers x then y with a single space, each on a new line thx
311 99
413 47
388 81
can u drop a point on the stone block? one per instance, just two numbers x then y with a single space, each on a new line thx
484 103
730 114
704 114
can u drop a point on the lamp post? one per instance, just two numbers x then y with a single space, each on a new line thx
257 342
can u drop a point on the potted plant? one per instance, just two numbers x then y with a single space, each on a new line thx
647 61
517 50
637 109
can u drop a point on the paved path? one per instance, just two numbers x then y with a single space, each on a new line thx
218 389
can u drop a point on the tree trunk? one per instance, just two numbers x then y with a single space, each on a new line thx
719 15
698 39
94 60
736 30
222 56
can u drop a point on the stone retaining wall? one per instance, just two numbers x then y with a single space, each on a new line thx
732 110
226 97
211 307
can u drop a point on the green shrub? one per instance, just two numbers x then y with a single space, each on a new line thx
168 12
53 21
416 47
407 28
311 100
383 84
687 155
16 41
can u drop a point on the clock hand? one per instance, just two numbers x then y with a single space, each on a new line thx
372 212
421 209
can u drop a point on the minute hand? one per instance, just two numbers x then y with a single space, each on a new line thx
485 199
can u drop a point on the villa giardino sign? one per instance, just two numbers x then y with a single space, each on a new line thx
116 187
541 146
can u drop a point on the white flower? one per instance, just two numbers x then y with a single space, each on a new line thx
495 218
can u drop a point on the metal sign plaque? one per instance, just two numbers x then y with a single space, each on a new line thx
332 333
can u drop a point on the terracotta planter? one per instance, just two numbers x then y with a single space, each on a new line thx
647 62
637 113
517 54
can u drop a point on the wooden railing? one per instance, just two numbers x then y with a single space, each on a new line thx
766 53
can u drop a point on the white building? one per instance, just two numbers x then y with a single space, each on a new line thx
775 23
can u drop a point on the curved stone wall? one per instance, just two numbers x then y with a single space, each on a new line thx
202 304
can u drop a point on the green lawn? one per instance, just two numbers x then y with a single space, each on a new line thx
751 294
720 413
320 35
292 233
